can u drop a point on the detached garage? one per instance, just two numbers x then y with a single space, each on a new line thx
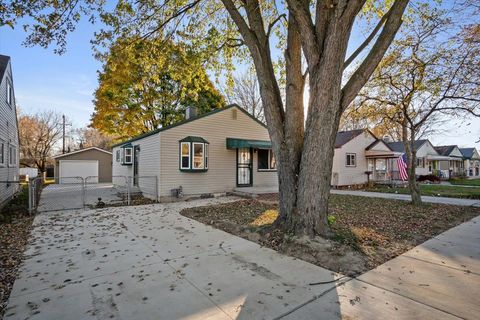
91 162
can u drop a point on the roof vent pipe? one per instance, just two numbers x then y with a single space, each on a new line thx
190 112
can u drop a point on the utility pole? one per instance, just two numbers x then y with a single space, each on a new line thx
63 136
64 125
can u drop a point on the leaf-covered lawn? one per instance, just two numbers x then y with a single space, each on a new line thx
435 190
367 231
466 182
15 226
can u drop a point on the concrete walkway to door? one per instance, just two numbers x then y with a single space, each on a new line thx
149 262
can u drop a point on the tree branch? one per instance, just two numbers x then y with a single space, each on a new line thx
272 24
363 73
368 39
301 12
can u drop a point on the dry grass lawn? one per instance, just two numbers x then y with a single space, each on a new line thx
366 231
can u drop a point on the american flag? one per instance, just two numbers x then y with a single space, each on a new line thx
402 166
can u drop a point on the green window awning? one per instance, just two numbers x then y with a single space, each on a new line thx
234 143
128 145
194 139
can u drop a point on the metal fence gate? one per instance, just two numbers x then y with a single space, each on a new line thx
53 194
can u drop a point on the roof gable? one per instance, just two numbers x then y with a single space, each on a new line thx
80 151
451 150
4 61
398 146
379 145
191 120
343 137
470 153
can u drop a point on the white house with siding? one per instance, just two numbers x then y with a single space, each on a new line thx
9 144
210 153
361 157
471 162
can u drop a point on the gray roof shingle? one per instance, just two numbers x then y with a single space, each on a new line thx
345 136
3 65
398 146
445 150
467 152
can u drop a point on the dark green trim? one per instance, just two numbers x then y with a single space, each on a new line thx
127 145
190 160
194 170
194 139
190 120
234 143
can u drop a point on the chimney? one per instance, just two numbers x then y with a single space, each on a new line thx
190 112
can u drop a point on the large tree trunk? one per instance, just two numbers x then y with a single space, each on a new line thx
411 151
305 156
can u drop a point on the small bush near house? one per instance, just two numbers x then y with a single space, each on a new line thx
428 177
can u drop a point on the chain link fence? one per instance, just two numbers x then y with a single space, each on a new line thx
78 193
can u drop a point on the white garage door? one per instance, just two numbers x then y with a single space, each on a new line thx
78 168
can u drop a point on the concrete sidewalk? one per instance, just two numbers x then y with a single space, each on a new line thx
149 262
442 274
406 197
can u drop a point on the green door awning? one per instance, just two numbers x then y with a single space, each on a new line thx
234 143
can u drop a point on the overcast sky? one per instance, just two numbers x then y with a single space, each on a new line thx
45 81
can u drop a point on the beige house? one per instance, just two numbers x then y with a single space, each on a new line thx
360 156
210 153
471 162
454 164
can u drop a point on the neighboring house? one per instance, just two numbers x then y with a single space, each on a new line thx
471 161
94 163
360 156
9 144
214 152
454 163
428 159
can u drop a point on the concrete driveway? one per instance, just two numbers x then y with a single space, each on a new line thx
149 262
56 197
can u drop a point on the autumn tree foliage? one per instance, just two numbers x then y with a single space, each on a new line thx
146 84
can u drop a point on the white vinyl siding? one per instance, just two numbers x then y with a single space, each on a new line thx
343 174
8 137
221 174
149 165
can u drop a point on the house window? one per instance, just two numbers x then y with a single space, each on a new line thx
185 155
194 154
420 162
206 155
9 94
127 156
117 157
266 160
2 153
12 159
351 160
198 156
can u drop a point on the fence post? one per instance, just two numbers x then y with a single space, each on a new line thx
30 196
128 190
83 191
